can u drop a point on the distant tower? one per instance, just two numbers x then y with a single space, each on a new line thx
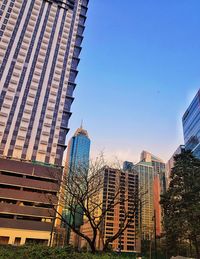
146 179
128 166
158 166
78 150
152 180
78 153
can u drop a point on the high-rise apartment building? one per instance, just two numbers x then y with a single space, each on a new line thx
39 53
125 185
191 126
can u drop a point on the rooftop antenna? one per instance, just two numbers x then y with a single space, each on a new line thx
81 124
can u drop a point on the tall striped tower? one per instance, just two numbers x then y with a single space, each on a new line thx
39 53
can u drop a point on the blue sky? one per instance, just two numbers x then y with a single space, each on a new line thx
139 69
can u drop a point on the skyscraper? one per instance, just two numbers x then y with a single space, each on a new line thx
39 54
40 46
127 166
152 182
191 126
78 150
146 180
158 166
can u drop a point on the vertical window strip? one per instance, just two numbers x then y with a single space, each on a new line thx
10 71
39 130
28 84
34 109
10 45
21 80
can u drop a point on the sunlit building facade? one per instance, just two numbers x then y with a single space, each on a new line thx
158 166
40 45
191 126
126 184
78 154
159 186
146 190
28 201
78 151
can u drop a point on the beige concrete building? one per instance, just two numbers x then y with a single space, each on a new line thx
28 201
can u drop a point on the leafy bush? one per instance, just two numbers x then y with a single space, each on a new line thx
43 252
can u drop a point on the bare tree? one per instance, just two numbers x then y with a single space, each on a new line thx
82 193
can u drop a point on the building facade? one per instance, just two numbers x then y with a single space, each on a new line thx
170 163
28 201
159 186
126 184
158 166
40 43
128 166
40 46
78 151
146 186
191 126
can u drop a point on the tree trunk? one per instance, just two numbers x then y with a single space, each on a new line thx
92 247
105 247
197 248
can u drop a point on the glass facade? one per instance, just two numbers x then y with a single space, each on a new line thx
128 166
146 177
191 126
78 153
158 166
78 150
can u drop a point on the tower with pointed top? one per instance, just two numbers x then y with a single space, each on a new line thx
78 150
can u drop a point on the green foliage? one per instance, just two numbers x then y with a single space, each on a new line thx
181 205
43 252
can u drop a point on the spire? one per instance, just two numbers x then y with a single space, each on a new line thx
81 130
81 127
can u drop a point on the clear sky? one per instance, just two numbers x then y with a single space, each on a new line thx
139 70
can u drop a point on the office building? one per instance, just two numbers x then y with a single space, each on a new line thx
146 186
78 150
78 153
40 45
158 166
159 172
39 54
191 126
129 241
